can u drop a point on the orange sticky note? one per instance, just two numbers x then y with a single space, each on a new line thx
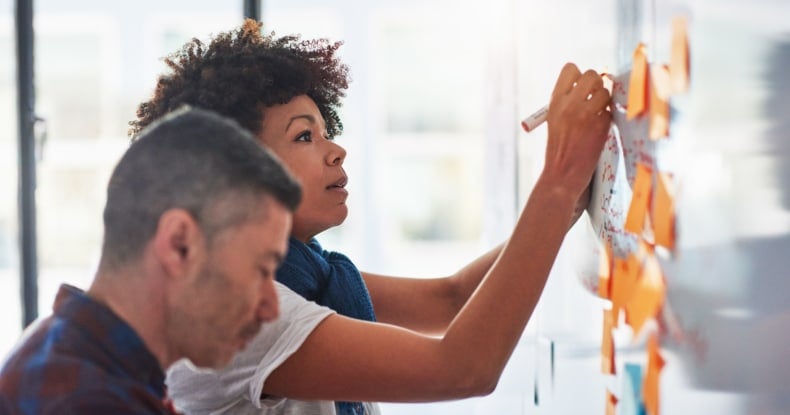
619 276
650 386
663 211
605 272
679 59
623 282
643 181
637 84
634 271
660 90
607 344
648 295
611 403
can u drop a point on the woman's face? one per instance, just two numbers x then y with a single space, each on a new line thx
296 132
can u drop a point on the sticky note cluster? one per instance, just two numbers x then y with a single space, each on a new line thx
650 86
635 283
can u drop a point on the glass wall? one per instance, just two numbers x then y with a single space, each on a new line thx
414 118
436 174
10 308
94 62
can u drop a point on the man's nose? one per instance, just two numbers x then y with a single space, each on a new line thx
269 306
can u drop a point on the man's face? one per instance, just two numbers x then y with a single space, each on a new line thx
233 292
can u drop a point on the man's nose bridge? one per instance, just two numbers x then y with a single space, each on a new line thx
269 306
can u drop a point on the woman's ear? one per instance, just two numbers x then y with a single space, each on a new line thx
178 242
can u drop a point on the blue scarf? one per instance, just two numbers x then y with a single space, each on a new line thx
332 280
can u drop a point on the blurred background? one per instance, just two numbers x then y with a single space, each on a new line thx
439 168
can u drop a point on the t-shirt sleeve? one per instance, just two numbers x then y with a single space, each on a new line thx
204 391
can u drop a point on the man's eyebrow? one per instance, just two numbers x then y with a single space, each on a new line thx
307 117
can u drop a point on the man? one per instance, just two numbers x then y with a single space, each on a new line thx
196 222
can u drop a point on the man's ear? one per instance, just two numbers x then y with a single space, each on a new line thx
178 242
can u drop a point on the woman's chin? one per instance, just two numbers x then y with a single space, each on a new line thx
342 214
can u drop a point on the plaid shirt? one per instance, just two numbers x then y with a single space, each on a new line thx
82 360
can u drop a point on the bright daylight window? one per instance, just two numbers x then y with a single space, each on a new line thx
413 121
94 62
10 308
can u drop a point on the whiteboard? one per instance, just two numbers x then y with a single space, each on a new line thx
727 311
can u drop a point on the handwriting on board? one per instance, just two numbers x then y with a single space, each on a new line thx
627 147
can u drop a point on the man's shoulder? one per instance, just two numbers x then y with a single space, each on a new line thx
51 342
99 399
60 387
51 367
29 362
36 374
114 398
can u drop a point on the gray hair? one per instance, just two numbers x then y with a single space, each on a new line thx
194 160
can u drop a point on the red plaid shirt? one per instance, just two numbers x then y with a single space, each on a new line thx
82 360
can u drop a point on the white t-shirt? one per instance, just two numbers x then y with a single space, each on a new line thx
236 388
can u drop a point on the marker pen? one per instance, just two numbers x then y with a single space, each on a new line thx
536 119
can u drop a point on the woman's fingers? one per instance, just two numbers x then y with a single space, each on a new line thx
565 82
587 83
599 99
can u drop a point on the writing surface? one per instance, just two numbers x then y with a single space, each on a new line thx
719 217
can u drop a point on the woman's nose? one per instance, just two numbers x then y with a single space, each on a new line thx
336 154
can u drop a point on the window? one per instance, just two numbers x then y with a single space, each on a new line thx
415 142
10 307
95 62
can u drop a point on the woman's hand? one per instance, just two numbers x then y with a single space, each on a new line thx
578 122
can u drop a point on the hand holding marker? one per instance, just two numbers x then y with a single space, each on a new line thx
539 117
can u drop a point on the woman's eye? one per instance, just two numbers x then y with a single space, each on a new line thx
305 136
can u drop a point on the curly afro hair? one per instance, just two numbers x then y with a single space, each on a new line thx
242 72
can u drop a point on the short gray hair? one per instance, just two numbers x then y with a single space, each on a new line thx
195 160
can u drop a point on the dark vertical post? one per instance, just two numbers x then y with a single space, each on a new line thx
252 9
27 161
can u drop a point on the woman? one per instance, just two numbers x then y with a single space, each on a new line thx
287 91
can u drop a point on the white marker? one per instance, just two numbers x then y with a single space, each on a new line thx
536 119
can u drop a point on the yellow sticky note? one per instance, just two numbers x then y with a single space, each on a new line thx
611 403
637 84
648 295
663 211
605 272
607 344
643 182
679 58
660 90
650 386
